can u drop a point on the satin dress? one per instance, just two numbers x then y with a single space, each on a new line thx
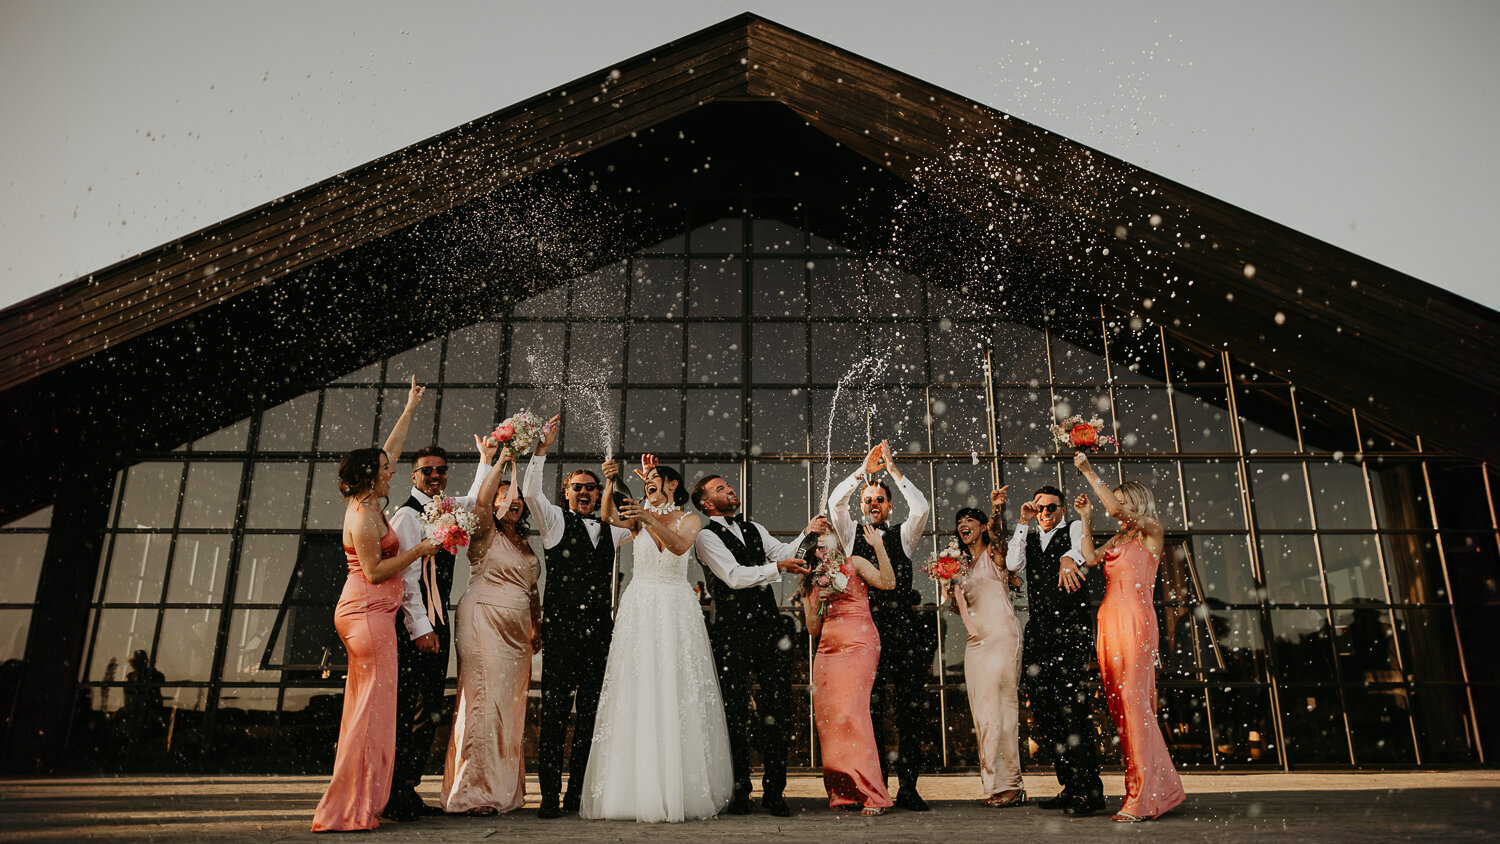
1127 644
992 670
495 623
842 676
366 622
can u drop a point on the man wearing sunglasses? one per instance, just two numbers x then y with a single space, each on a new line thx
576 620
1058 645
906 640
422 647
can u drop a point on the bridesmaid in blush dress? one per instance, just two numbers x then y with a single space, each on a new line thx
496 635
1127 640
366 622
843 675
992 654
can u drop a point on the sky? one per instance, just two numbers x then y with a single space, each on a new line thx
1371 125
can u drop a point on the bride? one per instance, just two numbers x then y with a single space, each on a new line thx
661 746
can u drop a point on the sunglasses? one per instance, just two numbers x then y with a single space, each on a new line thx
876 499
583 487
1047 508
427 471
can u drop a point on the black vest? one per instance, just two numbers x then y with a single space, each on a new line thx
901 595
579 574
1042 569
444 564
753 608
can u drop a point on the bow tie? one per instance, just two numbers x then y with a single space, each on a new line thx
589 518
736 519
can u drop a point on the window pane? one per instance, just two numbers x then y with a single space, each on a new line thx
1022 417
1145 420
1352 568
1279 496
597 352
1460 495
536 353
720 235
778 287
277 494
1243 729
1441 713
1203 420
137 568
656 288
466 412
14 627
960 420
893 293
714 288
325 506
199 566
186 649
1216 643
21 565
289 426
958 350
1325 427
900 415
41 518
1291 567
1303 645
1020 354
1379 725
1071 362
837 347
474 354
656 353
1266 421
1183 717
364 375
348 419
653 420
1213 496
1428 645
837 288
716 419
598 295
778 421
1413 568
714 353
421 361
1187 364
774 235
1338 493
212 495
780 353
419 432
121 633
266 564
150 497
1400 496
248 630
591 420
900 345
231 438
778 496
1135 352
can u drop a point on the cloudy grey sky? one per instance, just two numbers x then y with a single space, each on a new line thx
1369 124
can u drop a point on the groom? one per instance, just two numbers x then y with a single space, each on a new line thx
750 635
576 621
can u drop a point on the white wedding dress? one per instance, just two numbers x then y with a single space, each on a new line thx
661 746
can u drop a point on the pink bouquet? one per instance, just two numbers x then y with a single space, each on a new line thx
448 524
948 564
519 433
831 576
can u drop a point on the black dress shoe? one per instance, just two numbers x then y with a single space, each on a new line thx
910 800
570 804
399 812
1063 800
738 806
427 810
1083 806
777 806
549 809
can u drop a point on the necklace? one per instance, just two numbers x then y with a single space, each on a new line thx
662 510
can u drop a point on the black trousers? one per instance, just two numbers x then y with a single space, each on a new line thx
572 675
906 650
740 653
420 707
1055 668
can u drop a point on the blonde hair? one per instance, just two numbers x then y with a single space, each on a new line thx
1137 496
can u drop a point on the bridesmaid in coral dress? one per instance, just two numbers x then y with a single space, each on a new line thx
366 622
992 654
496 635
1127 640
843 675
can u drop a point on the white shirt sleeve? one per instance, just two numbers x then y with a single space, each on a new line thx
548 515
716 558
838 511
1075 533
408 530
917 512
1015 554
620 535
778 551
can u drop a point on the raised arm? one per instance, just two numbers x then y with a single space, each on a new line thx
548 515
397 440
1130 521
879 573
607 511
917 508
838 506
484 506
996 527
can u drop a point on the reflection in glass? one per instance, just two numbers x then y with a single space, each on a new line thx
714 288
715 353
289 426
1145 420
186 648
1413 568
277 493
778 495
1313 721
199 566
1302 646
1380 725
231 438
1213 496
212 496
421 361
1183 716
716 418
1279 496
1351 565
780 353
656 353
348 419
1202 419
14 627
1290 563
1442 719
1338 493
120 634
325 506
465 413
248 632
150 497
1400 495
266 563
778 421
1366 645
137 568
21 557
1243 729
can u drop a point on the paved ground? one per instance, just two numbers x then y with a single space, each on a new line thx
1431 805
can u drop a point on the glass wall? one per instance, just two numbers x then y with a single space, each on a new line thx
1322 569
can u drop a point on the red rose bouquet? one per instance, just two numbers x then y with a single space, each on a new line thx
1076 434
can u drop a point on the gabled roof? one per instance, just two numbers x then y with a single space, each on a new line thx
1333 322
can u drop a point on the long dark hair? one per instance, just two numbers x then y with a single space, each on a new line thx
523 523
667 473
978 515
359 470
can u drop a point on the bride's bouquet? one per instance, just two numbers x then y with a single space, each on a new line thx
447 524
831 576
519 433
1076 434
947 565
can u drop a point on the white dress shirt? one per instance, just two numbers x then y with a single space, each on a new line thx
717 557
848 531
1015 554
407 525
549 516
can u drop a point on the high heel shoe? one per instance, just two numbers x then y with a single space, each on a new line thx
1008 800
